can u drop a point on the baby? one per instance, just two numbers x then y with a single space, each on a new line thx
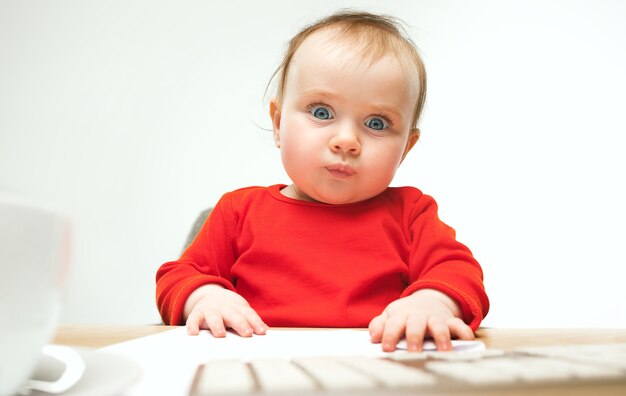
337 247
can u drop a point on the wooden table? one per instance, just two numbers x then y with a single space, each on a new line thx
96 336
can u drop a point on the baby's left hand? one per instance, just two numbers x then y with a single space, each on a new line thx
426 312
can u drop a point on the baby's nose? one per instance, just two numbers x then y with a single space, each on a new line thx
346 140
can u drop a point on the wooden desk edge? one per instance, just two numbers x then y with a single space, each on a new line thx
96 336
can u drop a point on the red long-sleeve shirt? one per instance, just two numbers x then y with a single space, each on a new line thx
307 264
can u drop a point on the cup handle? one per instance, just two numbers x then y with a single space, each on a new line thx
74 369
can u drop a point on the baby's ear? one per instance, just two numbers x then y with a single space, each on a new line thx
414 136
275 116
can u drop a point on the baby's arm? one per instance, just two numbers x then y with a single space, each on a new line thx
425 312
214 308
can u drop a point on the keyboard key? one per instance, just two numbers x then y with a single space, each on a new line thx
610 356
587 371
224 377
470 372
390 374
528 369
276 375
333 375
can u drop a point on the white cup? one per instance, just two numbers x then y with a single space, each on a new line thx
34 250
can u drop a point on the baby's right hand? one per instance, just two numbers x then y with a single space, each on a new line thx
215 308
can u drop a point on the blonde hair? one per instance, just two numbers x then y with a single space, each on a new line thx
377 35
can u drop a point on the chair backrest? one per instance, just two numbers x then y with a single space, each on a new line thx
195 228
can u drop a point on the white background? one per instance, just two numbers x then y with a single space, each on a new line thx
133 116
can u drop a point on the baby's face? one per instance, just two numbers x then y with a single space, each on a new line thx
344 124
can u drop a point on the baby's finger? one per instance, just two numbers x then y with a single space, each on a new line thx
194 321
415 332
215 323
459 329
376 328
254 320
438 329
238 322
394 330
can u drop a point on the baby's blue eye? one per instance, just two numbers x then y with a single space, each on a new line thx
321 113
376 123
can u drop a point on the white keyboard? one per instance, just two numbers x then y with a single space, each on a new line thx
405 373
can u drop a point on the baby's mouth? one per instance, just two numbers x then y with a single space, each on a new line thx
340 171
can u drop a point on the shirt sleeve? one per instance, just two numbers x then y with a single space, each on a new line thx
207 259
438 261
